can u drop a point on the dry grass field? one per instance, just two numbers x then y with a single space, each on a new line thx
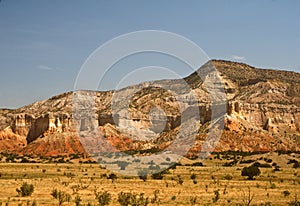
211 184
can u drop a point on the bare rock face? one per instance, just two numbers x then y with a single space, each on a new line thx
263 114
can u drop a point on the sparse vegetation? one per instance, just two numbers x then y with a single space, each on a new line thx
61 196
103 197
77 200
133 199
112 177
251 172
25 190
143 174
216 197
247 197
201 184
286 193
294 202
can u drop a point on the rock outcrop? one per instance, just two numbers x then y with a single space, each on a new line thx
262 106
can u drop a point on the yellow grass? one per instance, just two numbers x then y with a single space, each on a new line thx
268 187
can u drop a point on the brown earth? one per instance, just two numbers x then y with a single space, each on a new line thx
262 114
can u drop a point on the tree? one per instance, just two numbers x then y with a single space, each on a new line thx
143 174
112 177
251 171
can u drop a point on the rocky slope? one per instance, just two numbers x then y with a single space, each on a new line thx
262 114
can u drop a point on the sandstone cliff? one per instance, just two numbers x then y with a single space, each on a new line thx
262 106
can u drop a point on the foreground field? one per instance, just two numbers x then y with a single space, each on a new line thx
211 184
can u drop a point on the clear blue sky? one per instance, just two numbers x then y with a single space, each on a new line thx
44 43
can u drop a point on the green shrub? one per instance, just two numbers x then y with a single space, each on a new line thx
179 180
77 200
128 198
228 177
294 202
273 186
155 199
143 174
296 165
103 198
286 193
193 200
230 164
158 175
216 197
251 171
25 190
197 164
61 196
262 165
112 177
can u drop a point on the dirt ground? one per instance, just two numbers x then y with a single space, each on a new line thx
213 183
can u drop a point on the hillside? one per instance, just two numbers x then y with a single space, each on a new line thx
262 114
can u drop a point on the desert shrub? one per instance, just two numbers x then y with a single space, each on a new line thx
268 160
128 198
197 164
246 161
193 176
124 198
262 165
25 190
294 202
173 198
179 180
11 157
272 186
247 197
292 161
122 164
193 200
143 174
34 203
103 176
61 196
296 165
69 174
228 177
155 199
216 197
230 164
24 160
158 175
112 177
276 169
77 200
251 171
103 197
286 193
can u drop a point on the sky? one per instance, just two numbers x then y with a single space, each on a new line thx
43 44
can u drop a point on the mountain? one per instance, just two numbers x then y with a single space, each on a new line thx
262 113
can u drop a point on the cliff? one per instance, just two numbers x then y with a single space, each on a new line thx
262 106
